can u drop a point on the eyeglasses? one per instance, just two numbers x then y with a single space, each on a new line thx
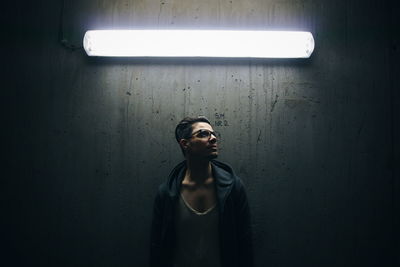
203 133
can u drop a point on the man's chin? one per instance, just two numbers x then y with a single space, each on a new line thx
213 156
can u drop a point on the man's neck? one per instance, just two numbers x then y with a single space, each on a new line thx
198 171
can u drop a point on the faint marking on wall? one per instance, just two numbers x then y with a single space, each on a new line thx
220 120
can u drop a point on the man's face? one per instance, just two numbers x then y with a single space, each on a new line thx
203 142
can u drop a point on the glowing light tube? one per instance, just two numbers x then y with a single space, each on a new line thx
198 43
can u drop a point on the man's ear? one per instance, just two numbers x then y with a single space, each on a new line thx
184 143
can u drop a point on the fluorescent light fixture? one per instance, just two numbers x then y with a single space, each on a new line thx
198 43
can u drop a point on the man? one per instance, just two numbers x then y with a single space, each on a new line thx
201 214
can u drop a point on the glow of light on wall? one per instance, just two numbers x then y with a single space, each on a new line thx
198 43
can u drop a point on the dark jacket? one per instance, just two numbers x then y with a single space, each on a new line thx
234 218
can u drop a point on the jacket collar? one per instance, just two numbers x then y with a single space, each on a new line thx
223 174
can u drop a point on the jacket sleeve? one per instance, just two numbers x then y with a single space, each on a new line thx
156 232
244 231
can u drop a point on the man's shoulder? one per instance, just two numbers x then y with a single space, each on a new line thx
227 174
238 185
163 189
169 184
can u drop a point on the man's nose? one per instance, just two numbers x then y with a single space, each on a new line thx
213 138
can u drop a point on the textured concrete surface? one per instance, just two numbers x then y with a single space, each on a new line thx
315 141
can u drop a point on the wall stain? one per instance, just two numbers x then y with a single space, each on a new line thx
274 103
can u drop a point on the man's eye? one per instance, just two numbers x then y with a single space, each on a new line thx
203 134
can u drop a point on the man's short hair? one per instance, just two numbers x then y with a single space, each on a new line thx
184 128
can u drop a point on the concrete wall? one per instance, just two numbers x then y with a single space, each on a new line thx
315 140
395 84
